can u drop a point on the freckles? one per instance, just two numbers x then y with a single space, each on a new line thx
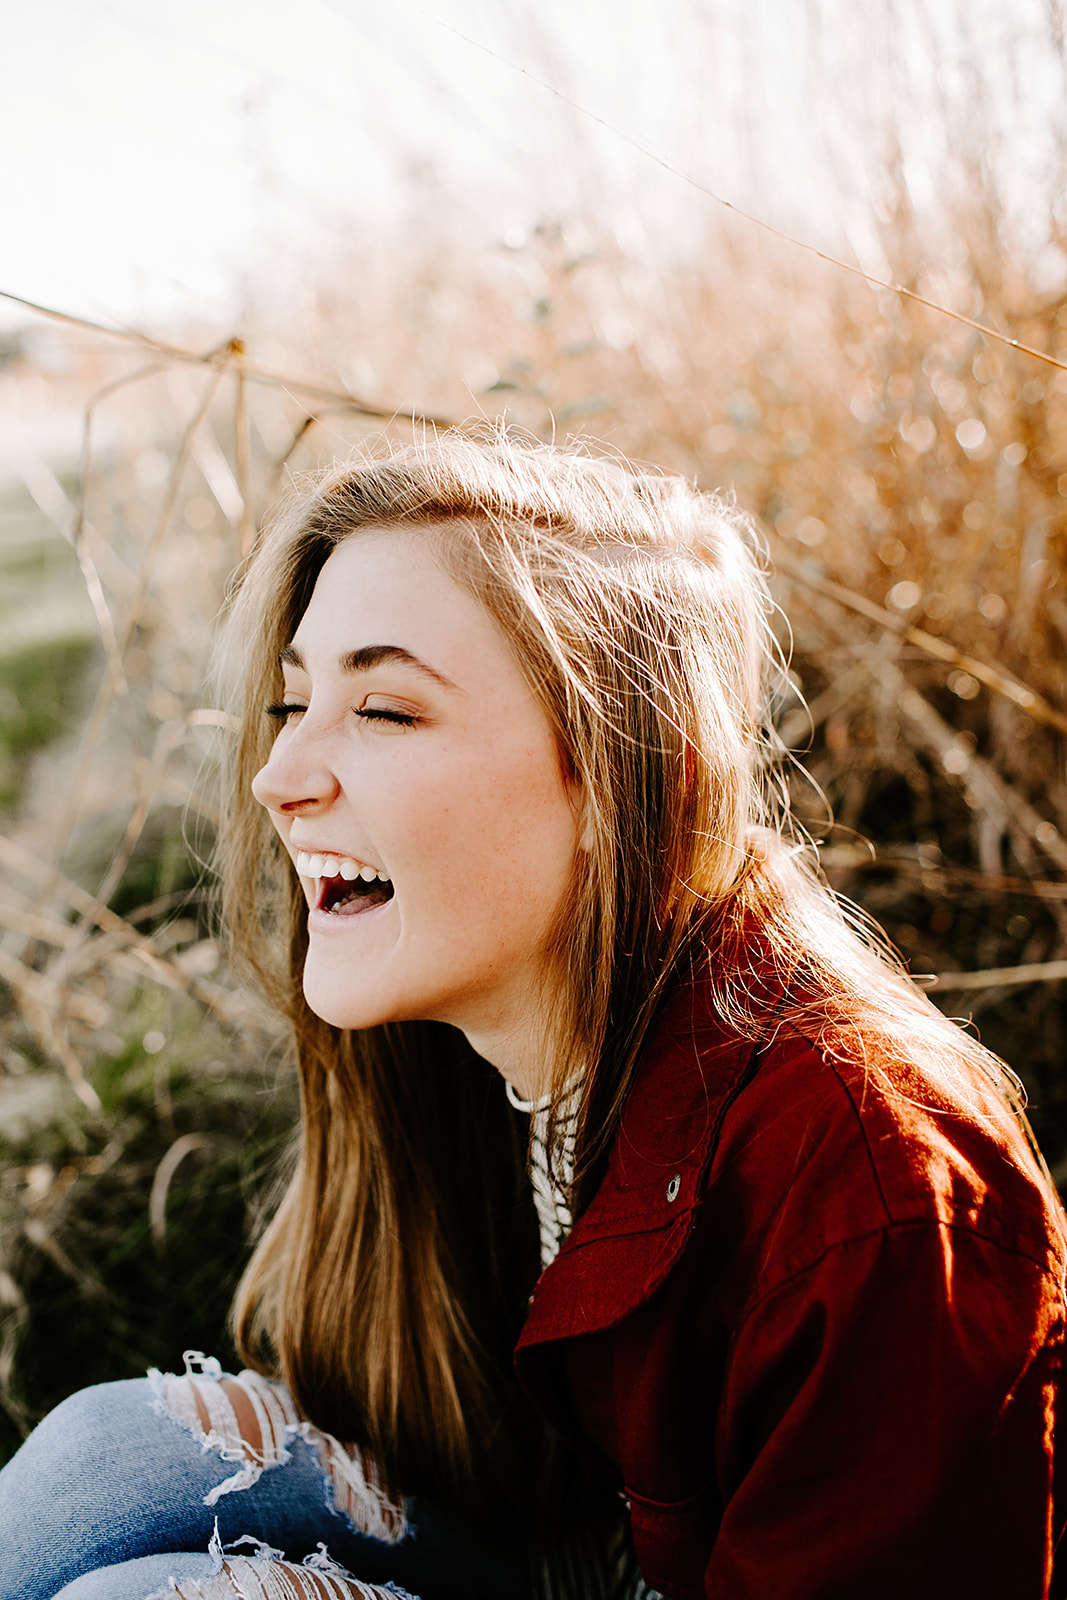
528 767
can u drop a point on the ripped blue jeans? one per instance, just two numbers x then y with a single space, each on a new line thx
148 1489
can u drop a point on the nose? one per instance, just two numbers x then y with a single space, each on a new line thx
297 777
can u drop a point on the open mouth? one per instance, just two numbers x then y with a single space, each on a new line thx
344 887
344 899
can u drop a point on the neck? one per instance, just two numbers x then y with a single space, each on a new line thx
521 1041
521 1028
525 1061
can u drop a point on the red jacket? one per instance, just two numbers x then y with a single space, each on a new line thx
816 1328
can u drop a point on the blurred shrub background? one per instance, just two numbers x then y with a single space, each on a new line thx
909 475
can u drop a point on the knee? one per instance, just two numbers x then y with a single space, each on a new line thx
148 1576
89 1424
88 1410
65 1496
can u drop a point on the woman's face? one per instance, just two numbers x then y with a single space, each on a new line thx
416 770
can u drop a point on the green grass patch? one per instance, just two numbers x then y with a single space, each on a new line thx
101 1294
42 689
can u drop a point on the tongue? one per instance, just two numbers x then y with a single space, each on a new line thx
345 899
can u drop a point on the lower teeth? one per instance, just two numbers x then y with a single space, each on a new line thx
346 900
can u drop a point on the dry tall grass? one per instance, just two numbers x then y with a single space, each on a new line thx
911 479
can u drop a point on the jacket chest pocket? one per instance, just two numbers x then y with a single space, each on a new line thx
674 1538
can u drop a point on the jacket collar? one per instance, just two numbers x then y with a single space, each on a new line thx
637 1224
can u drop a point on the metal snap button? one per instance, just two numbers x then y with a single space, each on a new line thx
674 1187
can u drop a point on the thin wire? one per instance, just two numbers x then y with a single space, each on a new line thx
738 211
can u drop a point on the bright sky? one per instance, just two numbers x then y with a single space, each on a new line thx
159 155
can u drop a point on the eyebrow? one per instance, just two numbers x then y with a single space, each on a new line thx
370 656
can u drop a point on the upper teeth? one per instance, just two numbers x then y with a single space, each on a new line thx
321 866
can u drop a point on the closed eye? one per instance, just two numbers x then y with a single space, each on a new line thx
401 719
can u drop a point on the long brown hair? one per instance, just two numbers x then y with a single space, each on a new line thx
392 1281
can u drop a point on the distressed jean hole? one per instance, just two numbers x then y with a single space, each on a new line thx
244 1579
251 1421
243 1411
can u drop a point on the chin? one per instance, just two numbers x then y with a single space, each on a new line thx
342 1009
342 1015
335 998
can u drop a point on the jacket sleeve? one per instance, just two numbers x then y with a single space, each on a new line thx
886 1425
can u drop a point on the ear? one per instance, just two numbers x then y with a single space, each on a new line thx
578 795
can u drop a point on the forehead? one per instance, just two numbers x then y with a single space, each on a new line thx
386 586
